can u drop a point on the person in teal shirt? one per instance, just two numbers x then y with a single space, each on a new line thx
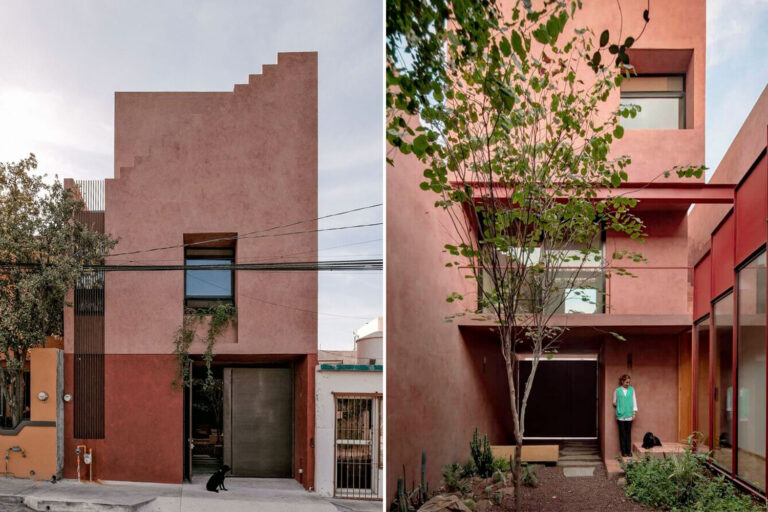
625 402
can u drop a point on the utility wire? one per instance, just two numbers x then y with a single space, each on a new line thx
273 228
311 266
256 259
240 294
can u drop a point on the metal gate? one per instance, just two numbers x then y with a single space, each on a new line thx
258 421
358 445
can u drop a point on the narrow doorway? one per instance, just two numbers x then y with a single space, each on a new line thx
563 399
358 445
207 421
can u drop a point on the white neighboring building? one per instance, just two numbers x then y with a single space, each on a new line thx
349 418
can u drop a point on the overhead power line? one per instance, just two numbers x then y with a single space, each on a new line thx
256 259
282 266
253 234
250 297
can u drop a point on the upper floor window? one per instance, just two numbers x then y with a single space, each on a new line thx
205 287
661 99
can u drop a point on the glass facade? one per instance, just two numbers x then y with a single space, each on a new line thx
750 460
702 383
722 354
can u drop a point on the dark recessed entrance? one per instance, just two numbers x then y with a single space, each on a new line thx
563 400
244 419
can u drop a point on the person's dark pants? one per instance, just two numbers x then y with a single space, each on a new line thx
625 438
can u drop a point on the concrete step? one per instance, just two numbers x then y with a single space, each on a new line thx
573 451
579 457
578 472
579 463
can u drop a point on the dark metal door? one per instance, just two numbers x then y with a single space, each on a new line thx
563 400
258 421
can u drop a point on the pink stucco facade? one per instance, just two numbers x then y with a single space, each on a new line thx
189 163
444 379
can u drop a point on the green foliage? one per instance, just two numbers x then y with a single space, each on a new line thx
45 246
529 476
480 449
468 469
501 464
219 317
452 479
683 483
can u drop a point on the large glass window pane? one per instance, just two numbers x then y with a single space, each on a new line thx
702 384
751 400
661 100
655 113
209 283
722 437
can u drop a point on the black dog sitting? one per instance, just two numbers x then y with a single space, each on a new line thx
216 481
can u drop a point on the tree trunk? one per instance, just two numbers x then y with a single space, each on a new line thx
518 474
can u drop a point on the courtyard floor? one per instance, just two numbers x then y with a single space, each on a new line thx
556 493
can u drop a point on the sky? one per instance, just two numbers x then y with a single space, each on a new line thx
737 69
61 62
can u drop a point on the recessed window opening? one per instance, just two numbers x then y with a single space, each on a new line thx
206 287
661 100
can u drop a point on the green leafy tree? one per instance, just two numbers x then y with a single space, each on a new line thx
516 139
44 249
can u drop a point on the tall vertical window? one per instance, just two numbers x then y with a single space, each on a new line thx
722 435
205 287
702 382
750 463
661 100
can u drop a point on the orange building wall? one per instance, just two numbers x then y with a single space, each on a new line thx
38 442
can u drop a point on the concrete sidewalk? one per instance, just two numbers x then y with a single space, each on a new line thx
244 494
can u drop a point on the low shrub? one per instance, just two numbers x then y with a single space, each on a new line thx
683 483
452 479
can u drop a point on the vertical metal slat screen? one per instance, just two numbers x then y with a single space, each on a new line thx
89 328
357 445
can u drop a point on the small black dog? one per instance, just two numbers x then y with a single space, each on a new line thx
216 481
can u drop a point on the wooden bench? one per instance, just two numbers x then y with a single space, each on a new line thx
546 453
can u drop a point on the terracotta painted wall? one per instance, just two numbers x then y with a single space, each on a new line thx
660 286
702 287
204 162
144 421
654 377
722 256
216 162
751 211
304 396
434 398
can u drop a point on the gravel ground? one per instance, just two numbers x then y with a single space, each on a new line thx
590 494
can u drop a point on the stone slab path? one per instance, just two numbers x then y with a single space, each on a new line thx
579 458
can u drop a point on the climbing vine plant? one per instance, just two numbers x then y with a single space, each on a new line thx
221 316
